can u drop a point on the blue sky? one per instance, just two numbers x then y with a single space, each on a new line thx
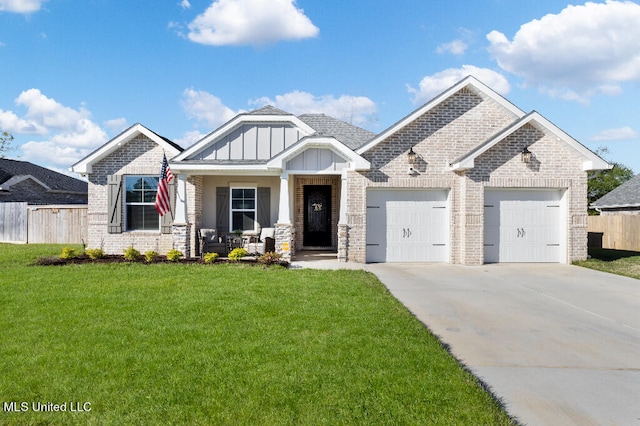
75 74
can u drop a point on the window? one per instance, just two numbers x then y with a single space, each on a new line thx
243 209
140 210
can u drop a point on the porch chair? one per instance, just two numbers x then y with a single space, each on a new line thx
211 242
265 243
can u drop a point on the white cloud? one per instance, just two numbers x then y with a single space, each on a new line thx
10 122
185 4
357 110
189 138
117 125
433 85
582 51
619 134
456 47
205 108
20 6
66 134
250 22
47 112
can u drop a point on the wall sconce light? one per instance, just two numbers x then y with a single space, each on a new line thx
412 156
525 155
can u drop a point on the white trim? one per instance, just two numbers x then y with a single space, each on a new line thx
84 166
254 210
125 224
238 121
614 206
21 178
217 169
591 162
468 82
356 162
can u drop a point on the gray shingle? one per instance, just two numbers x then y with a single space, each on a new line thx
54 180
627 194
352 136
267 110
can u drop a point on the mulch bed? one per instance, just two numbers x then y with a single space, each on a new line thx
112 258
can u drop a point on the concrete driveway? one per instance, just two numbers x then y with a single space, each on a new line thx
559 344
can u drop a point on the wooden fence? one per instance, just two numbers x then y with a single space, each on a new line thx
51 224
13 222
620 232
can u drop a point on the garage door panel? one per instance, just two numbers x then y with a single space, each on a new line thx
523 226
407 226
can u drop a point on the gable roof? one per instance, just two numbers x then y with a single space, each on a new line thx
267 114
322 142
469 82
626 195
14 171
591 160
85 165
352 136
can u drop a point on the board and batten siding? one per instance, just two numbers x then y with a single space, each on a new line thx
252 142
315 159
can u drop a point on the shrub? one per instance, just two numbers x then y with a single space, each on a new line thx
174 255
67 253
269 258
237 254
151 256
131 254
95 253
210 257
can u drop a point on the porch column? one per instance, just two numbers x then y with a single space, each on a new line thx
343 228
181 200
284 215
343 200
284 230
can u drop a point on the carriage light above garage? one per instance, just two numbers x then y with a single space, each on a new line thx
526 155
411 156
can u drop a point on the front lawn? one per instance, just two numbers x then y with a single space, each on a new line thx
618 262
219 344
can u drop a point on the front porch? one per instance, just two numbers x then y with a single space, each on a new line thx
307 211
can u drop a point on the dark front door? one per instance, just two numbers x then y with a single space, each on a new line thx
317 216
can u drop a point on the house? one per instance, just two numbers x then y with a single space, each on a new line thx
21 181
468 178
625 199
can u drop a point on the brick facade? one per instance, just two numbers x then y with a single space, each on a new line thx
439 136
140 156
443 134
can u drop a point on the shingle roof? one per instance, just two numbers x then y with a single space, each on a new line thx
627 194
267 110
54 180
352 136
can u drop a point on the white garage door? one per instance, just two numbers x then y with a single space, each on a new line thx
524 226
407 226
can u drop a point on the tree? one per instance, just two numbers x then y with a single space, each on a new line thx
601 182
5 143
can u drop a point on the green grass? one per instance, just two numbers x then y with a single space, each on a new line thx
618 262
221 344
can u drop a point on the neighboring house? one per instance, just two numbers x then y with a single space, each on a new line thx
625 199
21 181
468 178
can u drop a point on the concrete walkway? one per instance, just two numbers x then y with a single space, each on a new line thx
559 344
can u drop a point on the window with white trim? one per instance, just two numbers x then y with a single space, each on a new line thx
140 211
243 209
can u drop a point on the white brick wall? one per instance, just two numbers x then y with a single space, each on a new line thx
140 156
444 134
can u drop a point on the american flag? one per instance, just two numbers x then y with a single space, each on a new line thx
163 204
